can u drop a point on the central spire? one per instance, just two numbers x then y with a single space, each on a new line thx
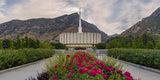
80 27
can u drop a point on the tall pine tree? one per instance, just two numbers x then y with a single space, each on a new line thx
18 43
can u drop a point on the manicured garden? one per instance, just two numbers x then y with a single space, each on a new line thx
83 66
10 58
146 57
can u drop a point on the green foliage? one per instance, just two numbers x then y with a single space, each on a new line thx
150 58
38 43
10 58
158 44
1 47
114 44
26 44
58 45
11 43
133 44
6 44
18 43
149 45
46 44
139 43
101 46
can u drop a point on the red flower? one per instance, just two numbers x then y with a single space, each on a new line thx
105 67
70 68
82 65
64 66
80 70
127 73
78 64
99 71
129 78
119 71
85 70
69 76
68 55
89 66
54 76
105 76
101 63
93 73
72 71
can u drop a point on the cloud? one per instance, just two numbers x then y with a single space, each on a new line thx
110 16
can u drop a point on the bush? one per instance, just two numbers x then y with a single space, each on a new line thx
146 57
101 46
11 58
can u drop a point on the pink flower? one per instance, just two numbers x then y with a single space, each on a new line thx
99 71
105 67
93 73
78 64
80 70
54 76
68 55
128 78
95 69
144 55
69 76
82 65
70 68
70 63
89 66
85 70
72 71
119 71
101 63
105 76
127 73
109 69
64 66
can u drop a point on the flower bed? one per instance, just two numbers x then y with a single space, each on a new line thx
82 66
146 57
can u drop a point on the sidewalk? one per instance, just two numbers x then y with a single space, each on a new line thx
32 69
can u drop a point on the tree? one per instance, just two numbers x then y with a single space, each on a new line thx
158 44
114 44
18 43
11 43
123 45
46 44
139 43
6 43
37 43
33 44
133 44
101 46
149 45
1 47
26 44
128 45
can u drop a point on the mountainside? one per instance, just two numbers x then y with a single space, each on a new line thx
149 25
46 28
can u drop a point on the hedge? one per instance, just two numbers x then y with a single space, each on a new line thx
11 58
146 57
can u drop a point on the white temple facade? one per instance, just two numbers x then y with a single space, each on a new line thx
80 39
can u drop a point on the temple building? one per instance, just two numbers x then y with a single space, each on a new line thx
80 39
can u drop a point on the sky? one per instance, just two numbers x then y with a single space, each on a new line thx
110 16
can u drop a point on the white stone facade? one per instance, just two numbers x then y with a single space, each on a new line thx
80 38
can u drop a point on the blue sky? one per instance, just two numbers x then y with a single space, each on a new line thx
110 16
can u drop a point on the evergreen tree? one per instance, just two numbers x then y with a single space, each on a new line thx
158 44
133 44
139 43
18 43
37 43
33 44
114 44
149 45
123 45
11 43
128 45
26 45
46 44
1 47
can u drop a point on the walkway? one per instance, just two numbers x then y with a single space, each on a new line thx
31 70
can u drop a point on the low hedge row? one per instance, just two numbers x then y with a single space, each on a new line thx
146 57
11 58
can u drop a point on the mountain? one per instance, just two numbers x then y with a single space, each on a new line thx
46 28
114 35
149 25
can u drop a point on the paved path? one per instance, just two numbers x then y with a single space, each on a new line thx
31 70
23 72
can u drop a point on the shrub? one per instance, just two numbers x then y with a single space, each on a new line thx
101 46
11 58
146 57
